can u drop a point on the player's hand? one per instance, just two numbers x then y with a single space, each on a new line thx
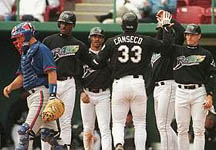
7 90
166 18
208 102
159 18
84 97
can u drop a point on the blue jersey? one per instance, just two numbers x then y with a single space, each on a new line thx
34 64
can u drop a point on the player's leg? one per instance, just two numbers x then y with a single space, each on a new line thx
103 113
36 103
120 108
183 116
138 105
199 117
164 97
88 119
49 130
66 92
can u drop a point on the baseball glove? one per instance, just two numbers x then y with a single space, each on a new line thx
53 110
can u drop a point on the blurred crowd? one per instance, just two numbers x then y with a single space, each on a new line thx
34 10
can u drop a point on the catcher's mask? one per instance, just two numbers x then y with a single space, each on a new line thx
21 35
129 22
67 17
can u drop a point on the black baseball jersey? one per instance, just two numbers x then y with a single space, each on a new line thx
130 53
162 64
96 79
67 52
194 65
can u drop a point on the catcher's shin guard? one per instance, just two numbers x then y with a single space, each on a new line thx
49 135
24 137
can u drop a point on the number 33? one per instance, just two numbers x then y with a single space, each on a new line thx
126 56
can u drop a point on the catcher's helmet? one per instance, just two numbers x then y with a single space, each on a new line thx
129 22
96 31
23 29
193 29
67 17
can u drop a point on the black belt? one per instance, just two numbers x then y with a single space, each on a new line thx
134 76
159 83
190 86
64 78
95 90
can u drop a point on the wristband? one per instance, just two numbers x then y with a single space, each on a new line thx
210 93
52 89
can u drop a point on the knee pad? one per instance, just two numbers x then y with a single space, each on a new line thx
48 135
23 129
24 137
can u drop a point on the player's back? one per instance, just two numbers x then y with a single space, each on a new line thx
129 55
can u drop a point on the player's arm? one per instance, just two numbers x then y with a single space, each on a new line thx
103 56
179 32
49 68
210 82
16 84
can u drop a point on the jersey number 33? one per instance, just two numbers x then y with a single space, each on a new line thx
126 54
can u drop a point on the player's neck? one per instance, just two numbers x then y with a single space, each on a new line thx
95 48
32 41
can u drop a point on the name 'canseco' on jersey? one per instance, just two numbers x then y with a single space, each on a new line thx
130 53
67 52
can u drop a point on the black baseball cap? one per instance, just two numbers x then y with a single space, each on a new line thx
193 29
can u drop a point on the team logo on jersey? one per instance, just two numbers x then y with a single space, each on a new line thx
213 63
87 71
188 61
65 51
154 58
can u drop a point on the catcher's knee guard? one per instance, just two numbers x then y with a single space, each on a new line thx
49 135
24 137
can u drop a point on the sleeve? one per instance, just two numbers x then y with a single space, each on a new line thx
163 45
48 61
211 77
179 32
104 54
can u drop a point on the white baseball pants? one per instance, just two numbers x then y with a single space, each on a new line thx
36 103
129 94
99 107
189 103
164 103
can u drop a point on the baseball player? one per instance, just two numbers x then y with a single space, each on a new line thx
67 52
129 55
37 74
194 72
164 91
95 99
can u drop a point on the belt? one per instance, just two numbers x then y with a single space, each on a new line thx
134 76
95 90
64 78
190 86
159 83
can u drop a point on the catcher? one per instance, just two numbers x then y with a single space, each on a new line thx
37 74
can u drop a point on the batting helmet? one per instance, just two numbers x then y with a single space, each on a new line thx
129 22
67 17
23 29
96 31
193 29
